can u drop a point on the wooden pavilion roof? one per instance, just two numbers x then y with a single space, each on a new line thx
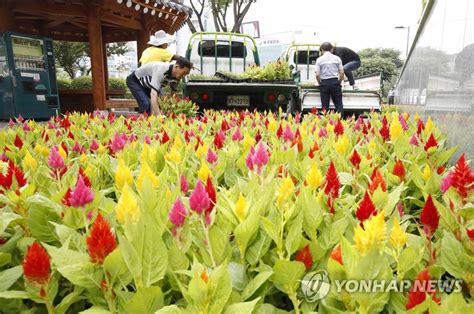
121 20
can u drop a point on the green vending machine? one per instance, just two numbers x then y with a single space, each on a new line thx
27 77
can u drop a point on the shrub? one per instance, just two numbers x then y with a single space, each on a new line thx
117 84
64 84
82 82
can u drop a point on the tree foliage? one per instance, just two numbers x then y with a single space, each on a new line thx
380 60
219 9
73 56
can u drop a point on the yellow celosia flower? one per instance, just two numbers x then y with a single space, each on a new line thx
248 141
286 190
330 128
372 147
178 143
83 158
62 152
416 117
127 207
429 125
41 150
427 173
201 151
204 172
146 172
173 155
272 125
406 115
398 237
373 235
29 162
240 207
123 175
168 194
395 128
102 149
341 144
314 177
88 132
148 155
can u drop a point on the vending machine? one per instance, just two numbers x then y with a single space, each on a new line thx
27 77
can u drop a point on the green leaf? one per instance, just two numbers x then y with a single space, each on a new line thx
466 212
219 242
447 216
293 239
145 300
287 275
114 263
6 218
442 157
75 266
170 309
220 286
255 283
454 257
258 249
39 219
270 228
408 259
9 276
95 310
345 178
70 299
245 231
5 258
197 290
238 276
242 307
393 199
312 214
177 260
13 294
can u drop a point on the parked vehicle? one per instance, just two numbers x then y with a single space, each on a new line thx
220 59
302 59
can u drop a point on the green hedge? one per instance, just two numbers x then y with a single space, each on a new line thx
64 84
85 82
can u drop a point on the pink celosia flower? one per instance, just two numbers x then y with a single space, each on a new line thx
117 143
55 160
94 145
322 132
78 148
199 199
237 136
260 157
183 183
414 140
288 134
403 122
81 194
178 213
211 156
446 182
147 139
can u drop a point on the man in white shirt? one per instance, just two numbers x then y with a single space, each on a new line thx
330 74
145 82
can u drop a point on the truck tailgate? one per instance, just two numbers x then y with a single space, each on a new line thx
356 101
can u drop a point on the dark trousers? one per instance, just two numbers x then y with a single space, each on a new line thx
331 88
391 100
141 93
348 68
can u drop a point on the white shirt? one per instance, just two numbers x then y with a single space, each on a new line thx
154 74
329 66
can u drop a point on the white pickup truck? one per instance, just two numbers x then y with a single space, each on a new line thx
302 59
225 56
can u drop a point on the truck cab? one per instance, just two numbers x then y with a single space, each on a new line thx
215 81
302 59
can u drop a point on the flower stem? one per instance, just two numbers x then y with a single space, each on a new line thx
107 294
294 300
206 234
50 307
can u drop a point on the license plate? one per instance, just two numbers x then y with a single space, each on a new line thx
238 101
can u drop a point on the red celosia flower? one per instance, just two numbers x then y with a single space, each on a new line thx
399 169
332 182
385 132
336 254
470 233
279 132
211 191
355 159
101 242
258 136
431 142
36 264
65 199
429 217
463 178
366 208
440 170
421 286
224 125
204 277
338 128
419 127
219 140
13 171
304 256
18 142
377 180
84 176
165 138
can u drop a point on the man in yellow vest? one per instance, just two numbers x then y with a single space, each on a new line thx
157 50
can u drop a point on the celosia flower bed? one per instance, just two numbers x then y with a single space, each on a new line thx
228 213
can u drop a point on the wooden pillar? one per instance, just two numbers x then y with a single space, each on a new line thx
106 67
6 17
97 57
142 39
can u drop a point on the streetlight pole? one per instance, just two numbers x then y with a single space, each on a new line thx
408 36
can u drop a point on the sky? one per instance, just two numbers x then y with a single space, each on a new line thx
356 24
